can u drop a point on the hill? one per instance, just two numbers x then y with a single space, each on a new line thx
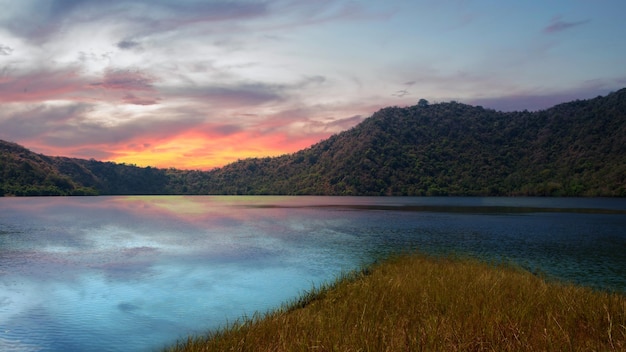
25 173
572 149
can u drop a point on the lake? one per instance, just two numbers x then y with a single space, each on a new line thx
137 273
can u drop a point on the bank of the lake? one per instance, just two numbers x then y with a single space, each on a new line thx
419 302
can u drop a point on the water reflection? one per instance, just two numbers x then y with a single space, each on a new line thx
135 273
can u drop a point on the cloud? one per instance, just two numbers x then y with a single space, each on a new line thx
68 85
126 80
321 129
135 100
309 124
540 99
5 50
230 95
210 130
242 94
36 121
347 122
41 85
89 76
401 93
39 20
557 25
78 125
227 129
128 44
148 128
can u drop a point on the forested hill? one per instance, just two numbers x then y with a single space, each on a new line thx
572 149
24 173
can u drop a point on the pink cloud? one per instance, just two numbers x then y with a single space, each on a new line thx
40 86
135 100
67 84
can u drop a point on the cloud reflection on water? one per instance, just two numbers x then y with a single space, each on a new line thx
146 267
138 272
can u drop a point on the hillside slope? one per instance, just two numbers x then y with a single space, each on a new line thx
572 149
25 173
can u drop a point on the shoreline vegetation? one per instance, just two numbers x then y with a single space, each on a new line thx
415 302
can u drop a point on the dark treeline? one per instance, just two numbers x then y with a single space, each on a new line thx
573 149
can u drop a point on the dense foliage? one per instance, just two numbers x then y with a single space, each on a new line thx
572 149
24 173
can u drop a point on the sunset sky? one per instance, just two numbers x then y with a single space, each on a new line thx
197 84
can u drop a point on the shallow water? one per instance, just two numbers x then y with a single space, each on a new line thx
137 273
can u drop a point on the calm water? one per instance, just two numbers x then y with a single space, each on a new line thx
137 273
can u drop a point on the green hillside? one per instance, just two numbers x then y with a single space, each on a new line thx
572 149
24 173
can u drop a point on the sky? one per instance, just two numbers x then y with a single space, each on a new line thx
197 84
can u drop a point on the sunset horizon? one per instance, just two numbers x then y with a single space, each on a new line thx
201 84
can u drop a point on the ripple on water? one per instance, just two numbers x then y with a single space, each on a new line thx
98 275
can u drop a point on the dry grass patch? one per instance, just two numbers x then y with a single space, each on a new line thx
419 303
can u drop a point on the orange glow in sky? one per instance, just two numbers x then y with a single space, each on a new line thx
196 152
200 84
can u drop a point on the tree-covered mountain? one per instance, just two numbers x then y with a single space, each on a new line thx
572 149
577 148
24 173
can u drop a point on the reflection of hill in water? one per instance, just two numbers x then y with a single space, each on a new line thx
481 210
469 205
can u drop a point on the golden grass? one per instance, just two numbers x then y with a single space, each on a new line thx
419 303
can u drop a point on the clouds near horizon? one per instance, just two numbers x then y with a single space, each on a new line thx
197 84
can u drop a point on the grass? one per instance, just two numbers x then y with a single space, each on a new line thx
421 303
